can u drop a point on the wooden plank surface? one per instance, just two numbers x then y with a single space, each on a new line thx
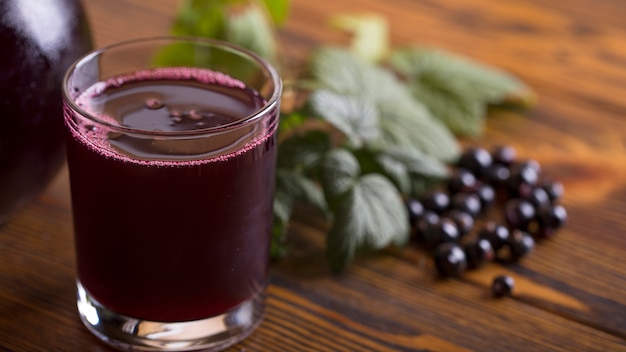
570 293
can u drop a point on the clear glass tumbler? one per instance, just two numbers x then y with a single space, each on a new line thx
171 146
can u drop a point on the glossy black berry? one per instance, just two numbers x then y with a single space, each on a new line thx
519 245
477 160
437 201
496 234
466 202
443 231
523 178
462 180
502 286
538 197
450 259
518 213
550 219
554 190
415 209
428 219
487 196
478 252
497 175
464 221
504 155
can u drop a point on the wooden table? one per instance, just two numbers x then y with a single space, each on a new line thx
571 292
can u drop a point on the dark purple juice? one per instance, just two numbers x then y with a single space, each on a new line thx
172 231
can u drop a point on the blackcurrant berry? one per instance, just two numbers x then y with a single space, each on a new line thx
502 286
450 259
522 179
437 201
443 231
519 245
462 180
554 190
538 197
496 234
497 175
551 219
428 219
463 221
477 160
487 196
478 252
415 209
518 213
504 155
467 202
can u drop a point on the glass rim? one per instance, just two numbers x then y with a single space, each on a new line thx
268 106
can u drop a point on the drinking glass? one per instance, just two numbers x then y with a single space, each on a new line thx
171 146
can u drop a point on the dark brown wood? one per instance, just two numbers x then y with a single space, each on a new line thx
571 292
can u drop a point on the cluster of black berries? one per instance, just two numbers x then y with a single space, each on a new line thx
459 224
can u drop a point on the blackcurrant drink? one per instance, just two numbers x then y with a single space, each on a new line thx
172 180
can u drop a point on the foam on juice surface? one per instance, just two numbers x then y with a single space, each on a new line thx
170 100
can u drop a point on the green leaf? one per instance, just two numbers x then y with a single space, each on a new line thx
397 172
455 89
291 120
370 35
340 169
303 152
202 18
245 23
251 29
396 118
356 118
416 162
407 123
403 164
299 187
370 215
278 10
462 114
283 205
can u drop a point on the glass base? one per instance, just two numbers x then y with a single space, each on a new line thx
131 334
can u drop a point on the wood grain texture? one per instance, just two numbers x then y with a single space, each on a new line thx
570 293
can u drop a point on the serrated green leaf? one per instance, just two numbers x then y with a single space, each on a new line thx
251 29
340 71
283 206
340 169
455 89
369 215
202 18
303 152
462 114
356 118
397 172
416 162
402 121
462 74
370 35
405 123
290 120
299 187
278 10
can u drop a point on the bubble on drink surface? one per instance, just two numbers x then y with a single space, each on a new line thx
177 119
174 114
194 114
154 103
200 124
